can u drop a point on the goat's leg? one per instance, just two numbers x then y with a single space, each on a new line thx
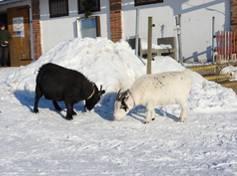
183 114
69 107
73 112
150 114
56 106
38 94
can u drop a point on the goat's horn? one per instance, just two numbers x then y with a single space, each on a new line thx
118 94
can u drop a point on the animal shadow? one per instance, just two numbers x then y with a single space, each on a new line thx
26 98
139 113
166 114
105 108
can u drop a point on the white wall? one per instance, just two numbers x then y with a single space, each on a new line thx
196 22
55 30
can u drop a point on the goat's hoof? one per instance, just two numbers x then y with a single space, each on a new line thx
58 109
146 122
35 110
181 120
68 118
153 119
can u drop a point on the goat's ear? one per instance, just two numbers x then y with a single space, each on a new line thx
126 94
102 92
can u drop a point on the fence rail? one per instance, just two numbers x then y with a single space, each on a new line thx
226 47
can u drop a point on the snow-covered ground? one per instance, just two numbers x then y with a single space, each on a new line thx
94 144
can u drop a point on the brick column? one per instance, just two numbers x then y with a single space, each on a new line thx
234 15
36 28
115 20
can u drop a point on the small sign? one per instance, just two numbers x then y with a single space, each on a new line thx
18 26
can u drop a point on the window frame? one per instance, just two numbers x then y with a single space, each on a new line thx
51 15
137 3
80 11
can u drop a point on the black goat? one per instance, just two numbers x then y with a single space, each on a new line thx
61 84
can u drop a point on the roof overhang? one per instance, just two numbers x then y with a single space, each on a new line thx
4 2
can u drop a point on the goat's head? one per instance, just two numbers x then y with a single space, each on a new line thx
123 104
94 97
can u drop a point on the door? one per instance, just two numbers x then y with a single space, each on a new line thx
19 28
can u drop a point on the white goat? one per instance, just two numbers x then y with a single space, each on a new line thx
152 90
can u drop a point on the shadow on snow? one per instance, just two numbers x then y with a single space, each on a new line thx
105 108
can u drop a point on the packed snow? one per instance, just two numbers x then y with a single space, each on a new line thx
94 144
230 70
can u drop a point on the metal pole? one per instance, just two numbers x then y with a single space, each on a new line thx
225 45
231 44
137 32
178 25
213 39
31 35
234 47
149 44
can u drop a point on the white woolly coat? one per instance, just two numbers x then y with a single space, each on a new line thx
159 89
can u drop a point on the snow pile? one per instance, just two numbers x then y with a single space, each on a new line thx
154 46
112 64
208 95
205 95
115 66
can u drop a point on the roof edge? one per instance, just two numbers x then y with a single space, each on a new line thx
5 2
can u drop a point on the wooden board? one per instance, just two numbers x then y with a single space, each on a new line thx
19 28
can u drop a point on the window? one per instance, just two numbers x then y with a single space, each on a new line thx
89 27
144 2
93 5
58 8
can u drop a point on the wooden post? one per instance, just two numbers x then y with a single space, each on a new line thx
213 40
149 44
178 26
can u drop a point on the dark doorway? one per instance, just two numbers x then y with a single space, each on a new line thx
3 20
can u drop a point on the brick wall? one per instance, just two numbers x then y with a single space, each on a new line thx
234 15
36 28
115 20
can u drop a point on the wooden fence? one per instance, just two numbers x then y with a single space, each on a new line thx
226 47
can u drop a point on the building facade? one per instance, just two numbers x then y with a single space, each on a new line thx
45 23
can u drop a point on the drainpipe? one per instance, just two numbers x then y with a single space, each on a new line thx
137 32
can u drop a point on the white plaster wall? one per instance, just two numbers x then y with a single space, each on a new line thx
55 30
196 22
